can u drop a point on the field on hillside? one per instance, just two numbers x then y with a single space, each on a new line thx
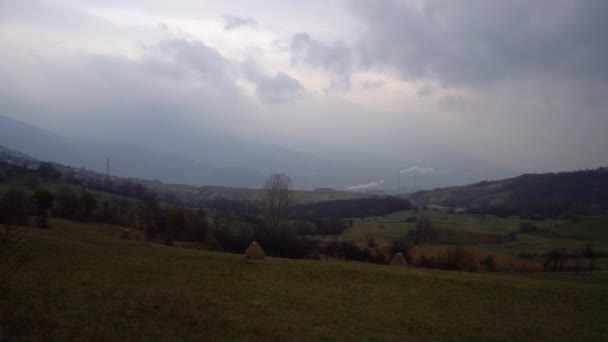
83 283
492 232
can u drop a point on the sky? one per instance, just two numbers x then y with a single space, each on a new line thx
523 84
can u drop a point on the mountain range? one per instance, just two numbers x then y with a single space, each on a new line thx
225 161
584 191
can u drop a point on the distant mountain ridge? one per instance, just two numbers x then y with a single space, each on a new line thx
130 160
187 157
583 191
126 160
179 194
8 153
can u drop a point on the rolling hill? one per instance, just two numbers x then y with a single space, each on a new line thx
585 191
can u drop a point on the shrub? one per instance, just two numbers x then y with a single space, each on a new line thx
379 257
411 219
14 207
425 231
488 263
527 227
43 200
371 241
458 258
428 262
554 259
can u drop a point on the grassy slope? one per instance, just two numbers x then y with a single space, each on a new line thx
85 284
553 233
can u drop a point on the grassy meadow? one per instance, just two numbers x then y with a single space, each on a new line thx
491 232
81 282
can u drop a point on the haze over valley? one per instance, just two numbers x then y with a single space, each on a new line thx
225 94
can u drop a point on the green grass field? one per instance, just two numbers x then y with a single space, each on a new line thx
477 229
83 283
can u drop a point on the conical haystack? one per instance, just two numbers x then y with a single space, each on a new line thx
254 251
399 260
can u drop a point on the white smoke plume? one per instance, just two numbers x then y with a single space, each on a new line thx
419 169
365 186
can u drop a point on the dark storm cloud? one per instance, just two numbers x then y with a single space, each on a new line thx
232 22
335 57
478 41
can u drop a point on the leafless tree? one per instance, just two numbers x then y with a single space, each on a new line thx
277 197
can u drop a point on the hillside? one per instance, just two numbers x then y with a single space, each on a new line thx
580 191
203 158
84 283
183 194
8 154
196 161
128 160
205 194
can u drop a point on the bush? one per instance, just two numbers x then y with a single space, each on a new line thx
43 200
554 259
425 231
458 258
14 207
371 241
330 226
233 237
537 217
488 263
527 227
379 257
428 262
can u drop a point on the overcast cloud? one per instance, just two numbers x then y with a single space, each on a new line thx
521 83
232 22
471 43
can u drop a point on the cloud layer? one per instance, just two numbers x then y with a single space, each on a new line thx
523 84
472 43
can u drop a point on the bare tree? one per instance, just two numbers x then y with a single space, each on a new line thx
277 197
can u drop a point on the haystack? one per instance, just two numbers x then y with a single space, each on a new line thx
254 251
399 260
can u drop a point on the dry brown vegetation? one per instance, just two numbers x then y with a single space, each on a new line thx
422 255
